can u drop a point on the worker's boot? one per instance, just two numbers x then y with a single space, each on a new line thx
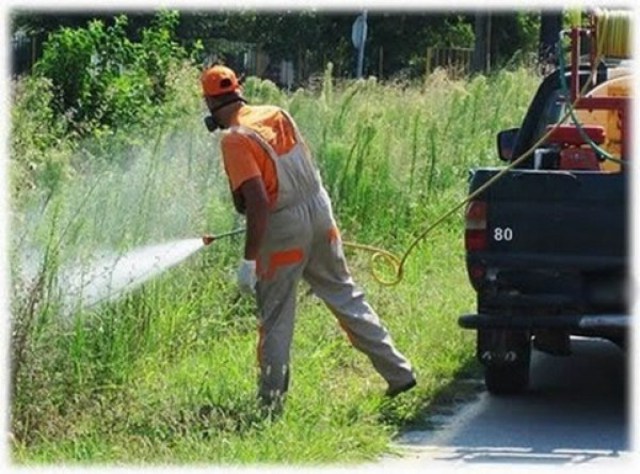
395 391
271 408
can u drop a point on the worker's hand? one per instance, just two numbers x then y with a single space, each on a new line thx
247 276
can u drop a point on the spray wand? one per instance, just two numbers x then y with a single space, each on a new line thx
208 239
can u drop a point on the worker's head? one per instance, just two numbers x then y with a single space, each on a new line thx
220 87
219 80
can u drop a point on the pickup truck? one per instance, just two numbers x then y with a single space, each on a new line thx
547 251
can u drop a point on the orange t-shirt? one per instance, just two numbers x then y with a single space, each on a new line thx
244 158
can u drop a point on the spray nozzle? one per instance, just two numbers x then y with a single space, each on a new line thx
208 238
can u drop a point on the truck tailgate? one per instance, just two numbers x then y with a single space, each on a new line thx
555 218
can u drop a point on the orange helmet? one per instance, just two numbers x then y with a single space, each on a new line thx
219 80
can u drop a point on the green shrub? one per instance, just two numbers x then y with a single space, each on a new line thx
38 149
100 78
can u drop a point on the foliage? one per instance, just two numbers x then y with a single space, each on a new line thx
37 141
315 37
514 33
102 79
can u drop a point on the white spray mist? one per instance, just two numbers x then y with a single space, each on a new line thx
108 277
170 187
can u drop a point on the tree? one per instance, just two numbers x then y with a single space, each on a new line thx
501 36
397 41
550 27
481 62
514 34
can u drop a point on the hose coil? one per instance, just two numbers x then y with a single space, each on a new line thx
613 29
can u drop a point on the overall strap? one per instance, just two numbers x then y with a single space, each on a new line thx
247 132
299 139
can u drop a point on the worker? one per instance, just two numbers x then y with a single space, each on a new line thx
291 234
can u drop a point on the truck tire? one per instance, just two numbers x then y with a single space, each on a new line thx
506 357
507 379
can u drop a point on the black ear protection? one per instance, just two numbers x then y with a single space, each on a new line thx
211 123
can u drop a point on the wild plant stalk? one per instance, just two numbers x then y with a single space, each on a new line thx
21 330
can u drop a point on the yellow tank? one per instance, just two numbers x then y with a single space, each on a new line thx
609 119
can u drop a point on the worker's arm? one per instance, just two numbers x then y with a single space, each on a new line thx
254 197
238 201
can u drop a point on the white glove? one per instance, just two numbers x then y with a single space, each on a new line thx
247 276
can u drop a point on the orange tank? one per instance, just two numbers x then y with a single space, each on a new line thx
611 119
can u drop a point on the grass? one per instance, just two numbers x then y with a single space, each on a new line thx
167 374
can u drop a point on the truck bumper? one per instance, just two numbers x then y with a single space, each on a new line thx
596 322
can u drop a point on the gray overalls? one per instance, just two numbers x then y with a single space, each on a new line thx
302 240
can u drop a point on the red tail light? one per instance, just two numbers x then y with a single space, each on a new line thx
475 235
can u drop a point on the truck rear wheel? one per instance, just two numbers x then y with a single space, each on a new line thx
506 356
507 379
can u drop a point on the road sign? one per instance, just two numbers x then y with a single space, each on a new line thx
359 37
359 31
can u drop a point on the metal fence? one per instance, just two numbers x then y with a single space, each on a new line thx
457 61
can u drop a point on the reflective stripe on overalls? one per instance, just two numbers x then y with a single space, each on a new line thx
302 241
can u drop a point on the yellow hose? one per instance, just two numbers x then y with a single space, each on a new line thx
613 33
397 263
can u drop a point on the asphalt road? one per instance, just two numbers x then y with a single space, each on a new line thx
574 415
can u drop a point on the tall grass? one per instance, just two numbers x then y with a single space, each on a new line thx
167 374
406 146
